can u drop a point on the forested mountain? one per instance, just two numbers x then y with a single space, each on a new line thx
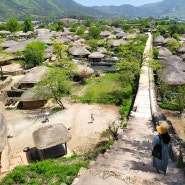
44 9
171 8
53 9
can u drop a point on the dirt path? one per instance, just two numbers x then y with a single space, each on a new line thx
76 116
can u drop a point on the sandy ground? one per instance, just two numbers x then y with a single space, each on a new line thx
76 117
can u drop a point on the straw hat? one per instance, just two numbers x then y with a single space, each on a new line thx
162 128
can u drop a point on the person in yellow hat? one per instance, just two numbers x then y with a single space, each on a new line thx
164 138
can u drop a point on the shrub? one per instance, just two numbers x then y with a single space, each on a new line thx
169 106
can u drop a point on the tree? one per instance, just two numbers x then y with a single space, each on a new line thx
34 53
87 23
55 84
3 26
28 25
94 32
129 70
60 50
13 25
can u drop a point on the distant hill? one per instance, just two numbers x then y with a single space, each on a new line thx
54 9
171 8
45 9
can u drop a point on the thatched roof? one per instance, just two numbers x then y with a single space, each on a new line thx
117 30
96 55
168 40
19 46
181 49
182 56
116 43
77 43
51 135
42 31
133 35
34 75
62 38
23 34
173 71
46 39
45 35
83 71
158 40
8 44
122 35
78 51
28 96
102 50
12 69
3 128
164 52
105 33
5 32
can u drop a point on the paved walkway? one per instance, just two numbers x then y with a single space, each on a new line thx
128 161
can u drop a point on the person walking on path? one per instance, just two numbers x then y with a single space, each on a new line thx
163 138
92 118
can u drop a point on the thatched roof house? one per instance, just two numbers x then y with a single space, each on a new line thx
78 51
165 42
27 100
105 33
19 46
181 50
51 135
122 35
45 35
42 31
173 71
117 30
62 39
102 50
12 69
82 72
158 41
182 56
164 52
3 128
22 34
32 77
8 44
96 55
116 43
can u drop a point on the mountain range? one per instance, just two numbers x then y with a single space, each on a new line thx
54 9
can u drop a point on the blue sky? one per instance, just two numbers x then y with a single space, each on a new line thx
115 2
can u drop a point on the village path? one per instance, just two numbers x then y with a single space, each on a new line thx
128 161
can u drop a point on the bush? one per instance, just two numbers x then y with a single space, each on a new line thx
125 110
169 106
155 53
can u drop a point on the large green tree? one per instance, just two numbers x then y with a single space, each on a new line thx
94 32
34 53
13 25
55 84
28 25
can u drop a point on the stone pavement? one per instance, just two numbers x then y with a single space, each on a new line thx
128 161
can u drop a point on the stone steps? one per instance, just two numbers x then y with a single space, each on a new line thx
128 161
